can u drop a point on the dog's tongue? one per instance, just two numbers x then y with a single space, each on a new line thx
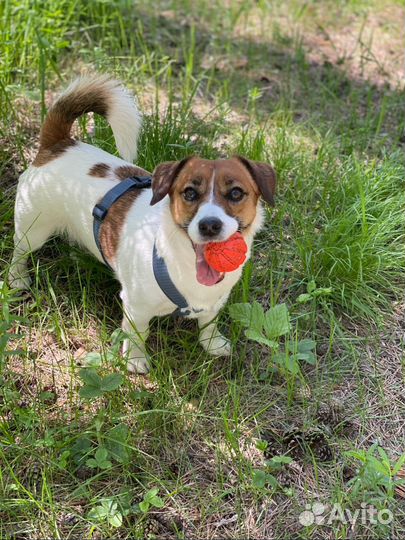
205 274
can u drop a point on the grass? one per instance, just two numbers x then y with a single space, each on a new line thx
193 450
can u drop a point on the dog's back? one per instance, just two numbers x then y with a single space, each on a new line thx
68 177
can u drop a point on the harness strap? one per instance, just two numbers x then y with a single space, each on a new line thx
101 209
165 282
160 270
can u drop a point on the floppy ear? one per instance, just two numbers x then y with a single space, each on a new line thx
163 177
264 175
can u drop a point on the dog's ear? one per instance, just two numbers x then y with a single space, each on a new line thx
264 175
163 178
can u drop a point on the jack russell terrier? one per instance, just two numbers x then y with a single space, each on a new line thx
153 238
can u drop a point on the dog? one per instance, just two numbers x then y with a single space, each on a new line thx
190 203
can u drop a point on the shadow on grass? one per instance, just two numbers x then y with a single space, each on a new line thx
277 77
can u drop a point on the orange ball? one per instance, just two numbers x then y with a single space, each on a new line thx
226 256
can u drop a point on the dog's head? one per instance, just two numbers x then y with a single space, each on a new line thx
212 199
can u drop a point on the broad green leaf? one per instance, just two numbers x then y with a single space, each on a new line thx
90 392
277 321
241 313
111 382
63 460
116 443
305 345
110 505
101 454
324 291
157 502
255 336
90 377
304 298
92 463
92 359
249 315
115 520
105 464
311 286
280 358
378 466
309 357
99 513
144 506
81 449
272 480
257 319
151 493
259 479
14 352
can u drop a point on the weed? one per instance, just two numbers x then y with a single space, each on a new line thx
310 88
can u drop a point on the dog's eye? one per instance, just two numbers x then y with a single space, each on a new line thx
235 195
190 194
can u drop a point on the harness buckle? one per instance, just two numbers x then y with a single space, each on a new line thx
141 181
99 212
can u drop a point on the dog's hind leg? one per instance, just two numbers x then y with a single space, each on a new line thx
31 232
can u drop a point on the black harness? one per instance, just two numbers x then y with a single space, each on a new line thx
160 270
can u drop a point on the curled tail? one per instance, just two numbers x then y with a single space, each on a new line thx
101 95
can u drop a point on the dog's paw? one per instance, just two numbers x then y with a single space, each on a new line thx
217 346
138 365
21 283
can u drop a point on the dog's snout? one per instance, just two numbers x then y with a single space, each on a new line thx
210 226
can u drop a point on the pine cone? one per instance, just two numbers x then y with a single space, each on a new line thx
332 414
319 445
152 528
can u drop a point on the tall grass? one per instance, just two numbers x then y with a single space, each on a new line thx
193 428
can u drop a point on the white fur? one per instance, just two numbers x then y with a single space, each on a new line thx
60 196
229 224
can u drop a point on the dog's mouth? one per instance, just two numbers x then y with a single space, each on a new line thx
206 275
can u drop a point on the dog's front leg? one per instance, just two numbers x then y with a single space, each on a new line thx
210 337
136 327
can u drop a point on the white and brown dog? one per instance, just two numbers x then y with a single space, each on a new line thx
190 203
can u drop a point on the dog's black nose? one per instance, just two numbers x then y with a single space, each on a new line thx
210 226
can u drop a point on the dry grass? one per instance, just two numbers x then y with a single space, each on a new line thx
196 424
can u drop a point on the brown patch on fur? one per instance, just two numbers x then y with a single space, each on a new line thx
196 173
263 175
232 174
126 171
48 154
164 177
110 231
100 170
90 95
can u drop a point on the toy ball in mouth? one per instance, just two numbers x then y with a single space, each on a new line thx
226 256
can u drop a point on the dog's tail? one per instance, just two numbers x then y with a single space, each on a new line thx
99 94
